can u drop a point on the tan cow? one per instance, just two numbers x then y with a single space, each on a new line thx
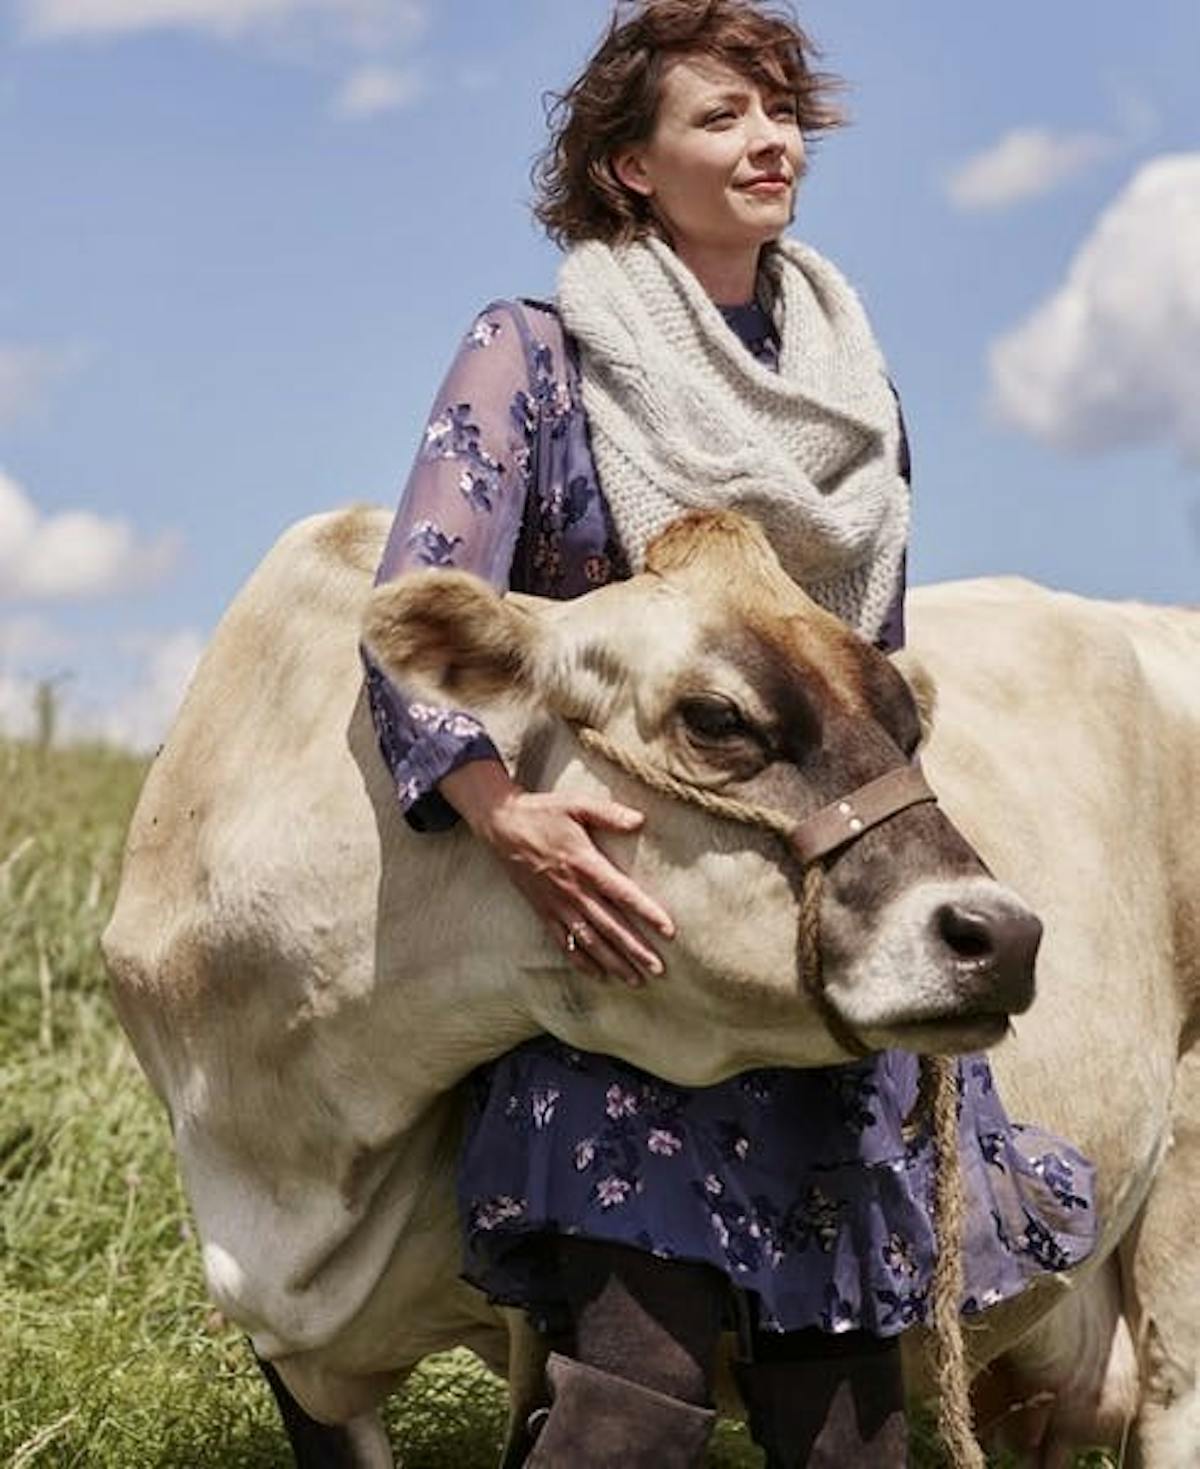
305 981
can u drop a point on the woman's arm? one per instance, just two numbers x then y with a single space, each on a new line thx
462 507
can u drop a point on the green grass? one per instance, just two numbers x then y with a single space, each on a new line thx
110 1357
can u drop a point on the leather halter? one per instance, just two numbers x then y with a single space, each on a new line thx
845 820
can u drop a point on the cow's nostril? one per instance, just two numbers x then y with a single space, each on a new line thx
969 933
996 947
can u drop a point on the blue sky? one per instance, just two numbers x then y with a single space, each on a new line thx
242 237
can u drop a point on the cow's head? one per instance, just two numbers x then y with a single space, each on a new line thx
716 667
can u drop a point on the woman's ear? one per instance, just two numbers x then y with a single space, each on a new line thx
629 169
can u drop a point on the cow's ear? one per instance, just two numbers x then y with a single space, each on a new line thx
450 633
921 685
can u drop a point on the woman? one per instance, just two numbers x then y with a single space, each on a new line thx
694 356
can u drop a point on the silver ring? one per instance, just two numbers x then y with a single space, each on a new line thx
578 934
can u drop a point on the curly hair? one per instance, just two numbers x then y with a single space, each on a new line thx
613 103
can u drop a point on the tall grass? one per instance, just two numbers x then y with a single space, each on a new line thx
110 1357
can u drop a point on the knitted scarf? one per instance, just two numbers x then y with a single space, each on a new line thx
681 415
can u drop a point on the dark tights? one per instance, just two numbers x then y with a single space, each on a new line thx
650 1321
658 1322
813 1399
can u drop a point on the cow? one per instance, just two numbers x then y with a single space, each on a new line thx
306 982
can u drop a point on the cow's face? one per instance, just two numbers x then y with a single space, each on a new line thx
717 668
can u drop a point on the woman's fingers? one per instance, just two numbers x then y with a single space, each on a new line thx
606 935
578 892
588 953
610 814
591 933
611 881
578 952
612 884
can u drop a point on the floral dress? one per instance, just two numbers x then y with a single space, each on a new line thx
799 1185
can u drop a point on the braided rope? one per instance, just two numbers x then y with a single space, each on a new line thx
949 1212
936 1104
661 780
809 937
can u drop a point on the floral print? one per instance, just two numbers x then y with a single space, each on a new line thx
431 545
1059 1177
448 721
483 333
801 1186
815 1205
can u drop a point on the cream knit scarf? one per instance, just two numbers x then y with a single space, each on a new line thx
682 415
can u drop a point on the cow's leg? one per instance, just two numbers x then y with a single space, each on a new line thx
1162 1276
360 1444
528 1390
1070 1383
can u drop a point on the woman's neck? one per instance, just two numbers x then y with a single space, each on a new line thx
728 277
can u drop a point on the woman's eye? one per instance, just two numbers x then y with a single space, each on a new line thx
713 719
725 116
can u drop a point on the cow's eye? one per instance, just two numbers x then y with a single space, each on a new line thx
713 718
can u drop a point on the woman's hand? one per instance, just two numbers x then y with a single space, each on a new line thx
543 840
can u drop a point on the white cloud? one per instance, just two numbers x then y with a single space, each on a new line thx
373 89
73 555
26 376
366 24
1113 356
1023 164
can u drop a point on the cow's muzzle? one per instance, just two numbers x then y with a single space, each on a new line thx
992 948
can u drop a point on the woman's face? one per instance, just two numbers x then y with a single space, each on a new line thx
723 163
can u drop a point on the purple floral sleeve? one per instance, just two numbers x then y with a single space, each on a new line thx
462 507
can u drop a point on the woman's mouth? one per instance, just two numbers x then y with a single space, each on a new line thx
767 186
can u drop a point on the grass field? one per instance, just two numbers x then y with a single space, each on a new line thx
110 1358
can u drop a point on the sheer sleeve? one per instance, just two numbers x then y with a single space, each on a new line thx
461 507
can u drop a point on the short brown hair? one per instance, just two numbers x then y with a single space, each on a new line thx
613 103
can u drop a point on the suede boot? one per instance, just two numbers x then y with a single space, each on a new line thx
845 1412
599 1421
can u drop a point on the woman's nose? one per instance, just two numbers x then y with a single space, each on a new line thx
769 136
